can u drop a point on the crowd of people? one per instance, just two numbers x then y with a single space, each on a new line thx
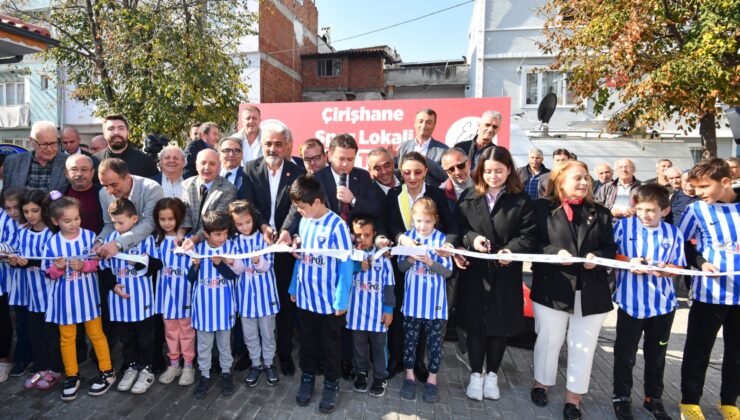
167 256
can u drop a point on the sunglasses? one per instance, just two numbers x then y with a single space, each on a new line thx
459 167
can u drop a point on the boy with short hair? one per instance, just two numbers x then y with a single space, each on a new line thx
320 287
131 299
213 304
646 299
370 308
714 222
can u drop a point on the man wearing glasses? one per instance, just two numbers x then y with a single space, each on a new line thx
488 126
43 167
230 155
313 155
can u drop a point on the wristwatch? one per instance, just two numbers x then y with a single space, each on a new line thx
119 246
354 200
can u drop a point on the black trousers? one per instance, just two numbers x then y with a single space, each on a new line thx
285 320
395 331
492 348
657 331
44 343
705 321
6 328
320 341
138 342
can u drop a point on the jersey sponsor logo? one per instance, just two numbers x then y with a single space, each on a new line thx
72 275
729 247
313 259
367 287
126 271
423 270
175 272
212 283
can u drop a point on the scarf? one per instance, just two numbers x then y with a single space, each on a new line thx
568 209
404 203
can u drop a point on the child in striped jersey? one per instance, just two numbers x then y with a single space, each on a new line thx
646 299
715 224
370 308
257 298
320 287
425 300
173 296
131 299
8 228
17 299
214 306
74 294
30 242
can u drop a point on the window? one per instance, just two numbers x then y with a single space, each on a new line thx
330 67
538 84
12 93
44 82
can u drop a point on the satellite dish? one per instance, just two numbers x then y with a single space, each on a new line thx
547 108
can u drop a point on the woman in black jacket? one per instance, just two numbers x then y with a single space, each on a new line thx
496 217
572 298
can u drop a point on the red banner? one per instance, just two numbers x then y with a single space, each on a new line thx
386 123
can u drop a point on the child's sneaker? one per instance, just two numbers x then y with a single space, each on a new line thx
691 412
200 390
187 377
329 397
19 369
490 387
30 383
378 387
656 408
170 374
4 371
360 384
102 383
227 384
271 375
129 377
143 381
305 389
48 380
729 412
253 376
70 388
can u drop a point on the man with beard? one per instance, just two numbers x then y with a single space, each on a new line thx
115 131
313 155
488 126
268 180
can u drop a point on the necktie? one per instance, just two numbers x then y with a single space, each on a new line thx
203 194
228 175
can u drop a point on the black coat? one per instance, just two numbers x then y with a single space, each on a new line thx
554 285
447 223
490 300
256 186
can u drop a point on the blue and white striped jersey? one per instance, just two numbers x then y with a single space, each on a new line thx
318 275
214 307
646 295
426 291
716 228
37 285
256 292
174 291
74 297
140 304
366 297
8 228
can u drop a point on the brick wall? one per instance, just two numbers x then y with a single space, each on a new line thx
358 73
277 40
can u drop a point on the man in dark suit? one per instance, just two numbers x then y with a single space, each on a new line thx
42 168
205 192
230 153
115 131
432 149
266 184
488 126
71 144
209 135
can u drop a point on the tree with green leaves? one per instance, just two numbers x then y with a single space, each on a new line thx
662 60
163 64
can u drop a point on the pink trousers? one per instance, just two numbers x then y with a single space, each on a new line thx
180 337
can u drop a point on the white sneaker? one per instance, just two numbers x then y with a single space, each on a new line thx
129 376
170 374
143 382
475 387
490 387
188 376
4 371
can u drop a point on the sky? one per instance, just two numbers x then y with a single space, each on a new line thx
442 36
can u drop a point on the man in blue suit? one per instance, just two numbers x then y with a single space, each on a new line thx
230 155
432 149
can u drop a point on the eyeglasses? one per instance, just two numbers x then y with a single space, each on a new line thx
44 146
79 170
417 172
231 151
459 166
313 159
